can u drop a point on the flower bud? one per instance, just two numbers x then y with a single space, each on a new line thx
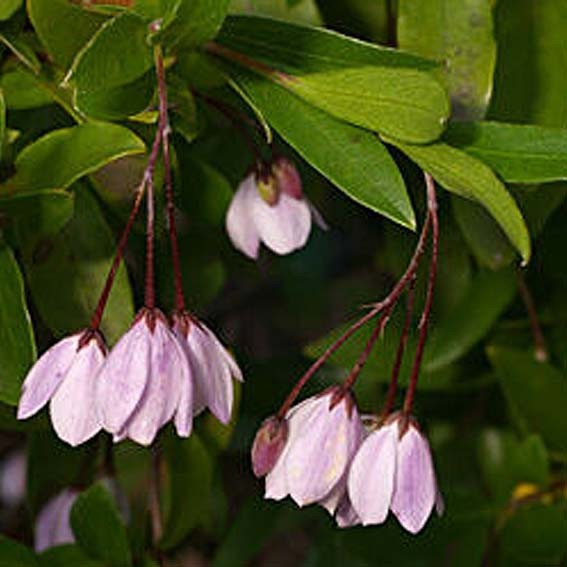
268 445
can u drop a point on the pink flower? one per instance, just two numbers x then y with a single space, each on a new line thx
270 208
52 526
212 371
140 385
393 470
65 374
324 433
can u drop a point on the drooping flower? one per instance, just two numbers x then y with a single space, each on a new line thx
141 383
66 375
393 470
270 207
324 433
52 525
212 371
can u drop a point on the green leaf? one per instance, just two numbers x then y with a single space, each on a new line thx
507 461
518 153
8 8
190 470
466 176
63 27
298 11
62 156
351 158
459 34
2 121
17 344
98 528
23 49
194 22
66 272
490 293
15 554
116 55
67 556
22 90
536 392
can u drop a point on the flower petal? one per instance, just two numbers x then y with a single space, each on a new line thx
346 516
239 225
372 474
168 365
46 375
283 227
72 408
319 455
52 526
415 489
122 380
184 412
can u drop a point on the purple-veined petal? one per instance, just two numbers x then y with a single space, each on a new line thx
276 480
239 224
52 526
415 488
46 375
372 475
168 367
283 227
72 408
122 380
318 457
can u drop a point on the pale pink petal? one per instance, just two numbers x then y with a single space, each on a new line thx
184 413
332 500
317 217
46 375
415 488
319 456
276 479
122 380
283 227
72 408
167 372
346 516
239 224
372 475
52 526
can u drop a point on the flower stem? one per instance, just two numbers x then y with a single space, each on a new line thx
423 323
165 129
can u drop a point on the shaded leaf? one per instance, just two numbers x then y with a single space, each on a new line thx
8 8
13 553
67 556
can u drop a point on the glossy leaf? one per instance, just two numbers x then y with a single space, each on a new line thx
460 35
63 27
17 344
490 293
353 159
116 55
536 393
190 470
61 157
22 90
66 272
98 528
466 176
518 153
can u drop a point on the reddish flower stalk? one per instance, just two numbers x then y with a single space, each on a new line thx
150 294
423 323
165 129
540 348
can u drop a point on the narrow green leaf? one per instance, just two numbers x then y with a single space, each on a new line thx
460 35
8 8
536 392
17 345
351 158
63 27
62 156
98 528
518 153
484 237
193 22
66 272
116 55
490 293
466 176
15 554
190 470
